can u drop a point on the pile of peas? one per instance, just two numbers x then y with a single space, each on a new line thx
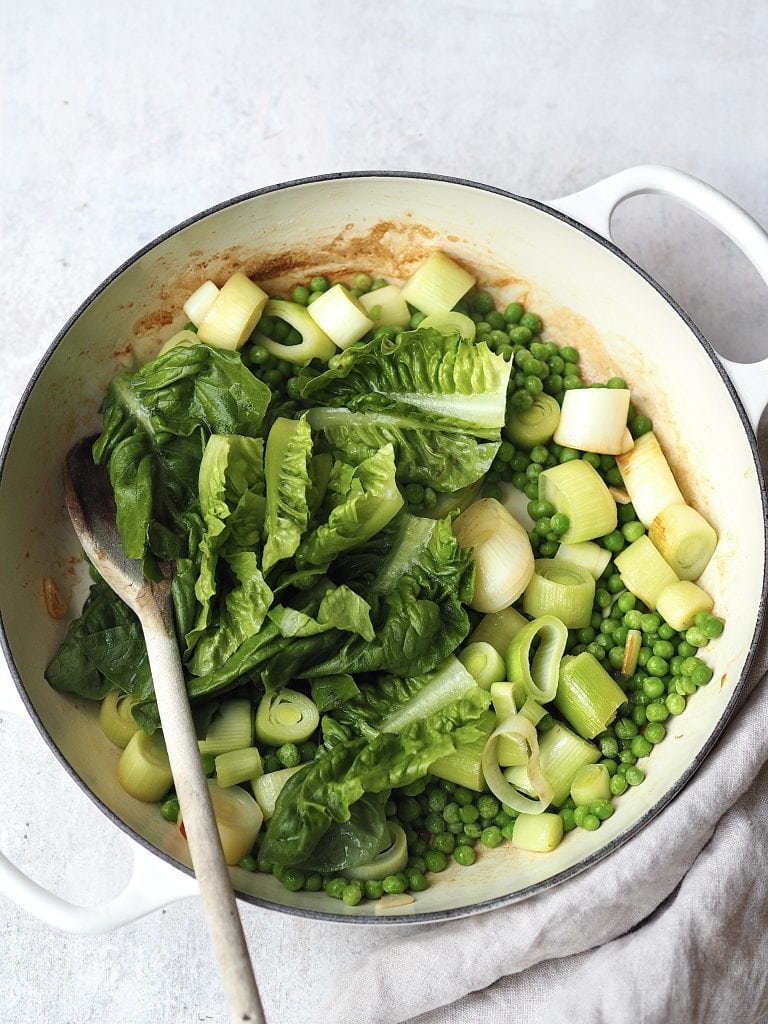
443 820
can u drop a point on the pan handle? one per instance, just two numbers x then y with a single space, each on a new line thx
153 882
594 207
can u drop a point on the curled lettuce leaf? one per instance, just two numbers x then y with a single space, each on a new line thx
289 448
340 608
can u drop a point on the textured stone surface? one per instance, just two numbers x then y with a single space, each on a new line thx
120 120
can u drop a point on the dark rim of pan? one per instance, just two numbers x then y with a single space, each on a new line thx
663 801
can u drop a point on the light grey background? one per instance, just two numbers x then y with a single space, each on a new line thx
119 120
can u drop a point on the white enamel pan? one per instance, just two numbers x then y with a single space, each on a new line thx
559 258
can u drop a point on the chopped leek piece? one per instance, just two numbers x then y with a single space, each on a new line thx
230 729
502 789
238 818
143 770
499 629
437 285
562 754
314 344
535 425
538 671
389 862
392 308
234 313
685 540
464 767
286 717
628 442
501 552
267 788
680 603
341 316
451 323
589 556
238 766
632 647
181 338
620 496
643 571
448 682
116 718
200 301
510 750
577 489
539 833
503 700
516 502
591 783
532 710
586 695
648 478
484 663
562 589
594 420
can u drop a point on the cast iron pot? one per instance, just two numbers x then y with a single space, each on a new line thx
556 257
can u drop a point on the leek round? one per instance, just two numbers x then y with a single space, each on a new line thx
116 718
684 538
587 697
535 425
389 305
594 420
501 552
144 770
589 556
314 344
233 314
591 783
267 788
577 489
502 789
538 673
451 323
238 819
539 834
680 603
562 589
562 754
388 862
648 478
484 663
200 301
499 629
238 766
286 717
231 728
437 285
644 572
341 316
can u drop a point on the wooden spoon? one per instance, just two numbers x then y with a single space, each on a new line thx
91 506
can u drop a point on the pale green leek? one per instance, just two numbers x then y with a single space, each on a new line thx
386 307
632 646
389 862
231 728
586 695
233 314
314 344
181 338
578 490
499 629
540 833
535 425
200 301
562 754
594 420
341 316
648 478
267 788
143 770
116 718
451 323
644 572
501 552
437 285
238 766
286 716
562 589
680 603
591 783
537 669
502 789
684 539
238 818
484 663
589 556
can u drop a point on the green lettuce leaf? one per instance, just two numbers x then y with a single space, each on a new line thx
348 844
289 448
326 790
340 608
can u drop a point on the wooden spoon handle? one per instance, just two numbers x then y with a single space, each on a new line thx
216 891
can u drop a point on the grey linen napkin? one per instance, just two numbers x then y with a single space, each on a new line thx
672 927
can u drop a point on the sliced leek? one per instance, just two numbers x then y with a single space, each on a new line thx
632 647
238 766
386 307
539 833
511 750
562 754
594 420
116 718
680 603
464 767
562 589
181 338
267 788
238 819
501 788
684 539
484 663
388 862
499 629
536 425
314 344
648 478
589 556
143 770
577 489
233 314
230 729
587 697
591 783
341 316
437 285
451 323
501 552
538 670
200 301
644 572
286 717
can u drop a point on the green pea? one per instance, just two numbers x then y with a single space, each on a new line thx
696 637
393 885
170 810
313 882
618 784
437 799
590 822
712 627
610 765
491 837
640 425
463 797
625 728
374 889
293 879
602 809
641 747
248 863
508 830
416 319
513 313
675 703
409 810
634 775
614 541
417 881
464 855
568 822
657 712
434 823
608 746
444 842
655 732
632 531
657 666
301 294
288 755
334 887
435 860
560 523
653 687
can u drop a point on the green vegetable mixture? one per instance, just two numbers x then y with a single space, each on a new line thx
338 477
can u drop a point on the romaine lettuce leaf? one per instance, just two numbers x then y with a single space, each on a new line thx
340 608
289 448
